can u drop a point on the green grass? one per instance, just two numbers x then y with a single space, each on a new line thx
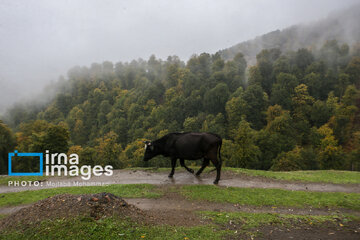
326 176
124 228
5 179
2 216
122 190
271 197
109 228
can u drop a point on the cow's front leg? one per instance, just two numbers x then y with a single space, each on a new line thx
173 165
182 163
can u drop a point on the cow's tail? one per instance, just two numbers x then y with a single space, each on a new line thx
220 161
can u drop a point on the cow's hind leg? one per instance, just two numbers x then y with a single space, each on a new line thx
182 163
173 165
205 163
217 164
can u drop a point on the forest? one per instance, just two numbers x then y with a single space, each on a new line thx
294 110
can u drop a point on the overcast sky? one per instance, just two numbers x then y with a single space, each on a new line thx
42 39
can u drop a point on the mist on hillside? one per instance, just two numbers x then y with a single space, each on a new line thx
41 40
340 26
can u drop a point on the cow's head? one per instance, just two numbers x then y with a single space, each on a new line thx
150 150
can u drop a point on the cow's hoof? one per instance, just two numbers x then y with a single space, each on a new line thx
216 181
197 174
190 170
171 175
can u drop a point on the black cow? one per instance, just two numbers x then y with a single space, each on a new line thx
189 146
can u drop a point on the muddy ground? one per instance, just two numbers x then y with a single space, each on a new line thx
228 179
173 209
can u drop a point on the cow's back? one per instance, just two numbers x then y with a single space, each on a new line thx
194 146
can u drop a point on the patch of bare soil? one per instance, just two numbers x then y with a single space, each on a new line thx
66 205
96 206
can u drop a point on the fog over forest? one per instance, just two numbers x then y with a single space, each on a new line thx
41 40
281 90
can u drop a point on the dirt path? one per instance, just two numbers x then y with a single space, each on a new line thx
173 202
183 205
173 209
181 177
11 210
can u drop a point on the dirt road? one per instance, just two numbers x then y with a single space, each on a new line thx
228 179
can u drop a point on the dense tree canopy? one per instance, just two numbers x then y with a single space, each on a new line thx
290 111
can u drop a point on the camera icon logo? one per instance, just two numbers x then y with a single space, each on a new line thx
16 153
